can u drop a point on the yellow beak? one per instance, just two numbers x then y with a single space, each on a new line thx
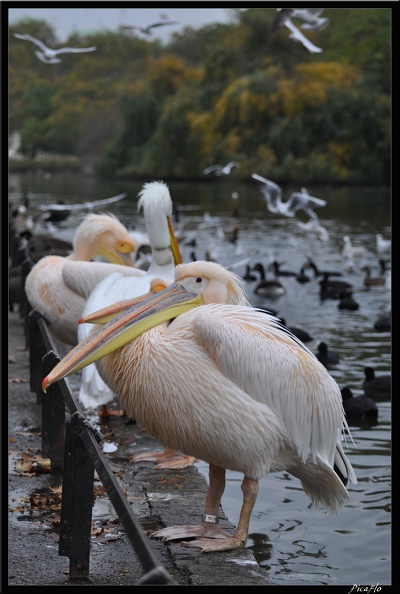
174 244
139 315
121 253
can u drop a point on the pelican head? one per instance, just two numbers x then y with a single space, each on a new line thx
155 199
104 235
196 284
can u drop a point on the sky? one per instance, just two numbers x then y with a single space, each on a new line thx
66 20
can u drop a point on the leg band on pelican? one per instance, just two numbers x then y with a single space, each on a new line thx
209 519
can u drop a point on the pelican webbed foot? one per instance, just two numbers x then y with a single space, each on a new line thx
203 531
165 459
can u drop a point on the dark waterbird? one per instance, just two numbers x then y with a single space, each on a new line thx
326 356
347 301
375 386
301 334
265 287
383 323
358 408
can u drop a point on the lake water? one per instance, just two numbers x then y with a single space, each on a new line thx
297 543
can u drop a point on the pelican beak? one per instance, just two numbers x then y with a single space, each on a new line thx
121 253
125 327
124 258
106 314
174 244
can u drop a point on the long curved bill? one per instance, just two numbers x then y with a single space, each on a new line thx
125 327
176 252
106 314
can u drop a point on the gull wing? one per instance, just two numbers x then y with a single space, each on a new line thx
297 35
74 50
89 206
33 39
212 168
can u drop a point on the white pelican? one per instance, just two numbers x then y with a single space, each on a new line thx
58 286
221 169
49 55
155 200
227 384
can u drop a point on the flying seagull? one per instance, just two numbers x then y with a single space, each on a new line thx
220 169
148 30
309 17
283 18
48 55
296 201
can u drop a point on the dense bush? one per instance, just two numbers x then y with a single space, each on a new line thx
225 92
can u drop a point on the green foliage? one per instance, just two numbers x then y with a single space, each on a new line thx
237 91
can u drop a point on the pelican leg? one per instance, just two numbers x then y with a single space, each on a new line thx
239 539
105 412
208 530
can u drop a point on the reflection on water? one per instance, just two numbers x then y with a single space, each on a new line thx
295 542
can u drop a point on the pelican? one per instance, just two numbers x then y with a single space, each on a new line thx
58 286
212 377
155 200
296 201
49 55
221 169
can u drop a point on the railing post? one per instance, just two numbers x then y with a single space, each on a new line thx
53 418
77 503
36 353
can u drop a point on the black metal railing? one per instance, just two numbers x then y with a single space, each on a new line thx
72 445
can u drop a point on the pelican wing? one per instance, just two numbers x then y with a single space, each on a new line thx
82 277
255 352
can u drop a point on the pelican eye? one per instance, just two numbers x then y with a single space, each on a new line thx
199 280
124 247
